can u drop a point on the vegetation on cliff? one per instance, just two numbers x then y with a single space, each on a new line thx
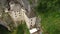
49 10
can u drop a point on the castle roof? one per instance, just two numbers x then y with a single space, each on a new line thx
26 5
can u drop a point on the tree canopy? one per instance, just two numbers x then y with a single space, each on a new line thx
49 10
48 5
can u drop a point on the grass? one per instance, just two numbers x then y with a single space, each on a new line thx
51 22
49 12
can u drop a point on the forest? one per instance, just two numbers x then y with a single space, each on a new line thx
49 10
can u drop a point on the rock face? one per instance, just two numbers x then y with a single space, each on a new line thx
5 25
3 4
3 29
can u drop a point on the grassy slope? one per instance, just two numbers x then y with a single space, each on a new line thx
50 16
51 22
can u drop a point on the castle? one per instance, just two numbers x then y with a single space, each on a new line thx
21 11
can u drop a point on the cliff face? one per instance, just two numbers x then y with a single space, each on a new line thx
3 3
33 2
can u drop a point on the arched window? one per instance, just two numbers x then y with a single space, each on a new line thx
17 11
19 15
31 19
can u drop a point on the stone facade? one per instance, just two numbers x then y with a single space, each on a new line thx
19 13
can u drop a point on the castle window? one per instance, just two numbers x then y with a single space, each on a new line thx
15 13
19 15
30 26
31 19
19 12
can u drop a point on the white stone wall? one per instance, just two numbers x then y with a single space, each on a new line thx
32 21
29 21
18 14
25 18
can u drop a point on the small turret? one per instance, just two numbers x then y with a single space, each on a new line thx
12 4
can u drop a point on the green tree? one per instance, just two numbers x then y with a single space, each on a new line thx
49 10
